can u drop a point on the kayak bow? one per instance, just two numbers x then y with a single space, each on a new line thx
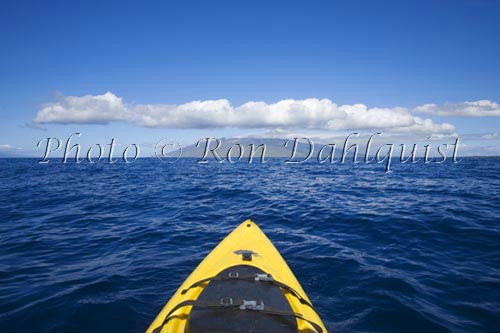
243 285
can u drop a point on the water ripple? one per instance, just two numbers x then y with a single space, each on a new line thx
99 248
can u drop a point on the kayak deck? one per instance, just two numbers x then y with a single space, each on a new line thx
245 273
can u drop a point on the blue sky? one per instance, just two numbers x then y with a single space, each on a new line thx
380 54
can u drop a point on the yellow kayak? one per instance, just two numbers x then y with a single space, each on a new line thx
244 286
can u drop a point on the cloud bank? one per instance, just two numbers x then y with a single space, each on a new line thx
8 150
490 136
482 108
311 113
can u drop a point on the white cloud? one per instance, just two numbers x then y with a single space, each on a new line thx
427 126
312 113
482 108
490 136
88 109
9 148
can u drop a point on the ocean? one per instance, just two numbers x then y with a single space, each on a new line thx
102 247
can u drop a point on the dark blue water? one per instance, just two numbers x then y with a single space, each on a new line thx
101 248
